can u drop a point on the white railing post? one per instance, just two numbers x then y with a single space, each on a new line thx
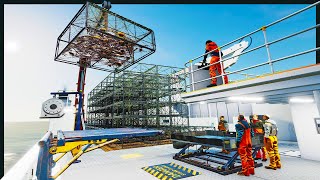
267 47
221 65
191 71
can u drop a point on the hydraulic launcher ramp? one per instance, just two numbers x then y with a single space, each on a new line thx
205 157
72 141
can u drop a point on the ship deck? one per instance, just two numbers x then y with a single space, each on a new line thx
128 164
275 88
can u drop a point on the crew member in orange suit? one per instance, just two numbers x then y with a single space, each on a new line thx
223 126
244 145
215 58
257 126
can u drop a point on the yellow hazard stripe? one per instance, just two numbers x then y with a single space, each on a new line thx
160 175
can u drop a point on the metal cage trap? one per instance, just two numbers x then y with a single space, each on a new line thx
100 39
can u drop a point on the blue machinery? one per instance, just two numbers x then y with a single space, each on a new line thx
205 157
78 102
72 141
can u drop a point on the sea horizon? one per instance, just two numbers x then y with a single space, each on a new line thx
19 137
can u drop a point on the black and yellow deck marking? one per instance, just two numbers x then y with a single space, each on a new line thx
170 171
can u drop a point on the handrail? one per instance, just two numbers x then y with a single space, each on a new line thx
265 63
244 74
223 46
293 14
45 160
258 47
25 167
260 29
266 44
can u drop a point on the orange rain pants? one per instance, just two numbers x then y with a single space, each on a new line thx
262 153
213 68
245 152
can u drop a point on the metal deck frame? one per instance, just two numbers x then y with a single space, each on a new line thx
217 139
114 133
72 141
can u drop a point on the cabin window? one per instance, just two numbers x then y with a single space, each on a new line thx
212 109
245 109
317 120
195 110
198 110
222 110
204 110
232 112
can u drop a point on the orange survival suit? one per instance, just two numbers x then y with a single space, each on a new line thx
243 139
215 58
221 126
257 126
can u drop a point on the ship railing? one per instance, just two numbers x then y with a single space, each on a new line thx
25 167
45 159
189 64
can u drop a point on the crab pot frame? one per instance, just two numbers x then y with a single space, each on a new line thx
144 95
103 40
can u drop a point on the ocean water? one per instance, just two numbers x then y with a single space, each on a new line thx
19 137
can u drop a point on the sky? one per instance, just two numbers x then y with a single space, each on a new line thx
31 31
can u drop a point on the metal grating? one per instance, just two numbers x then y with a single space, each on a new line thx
101 39
145 96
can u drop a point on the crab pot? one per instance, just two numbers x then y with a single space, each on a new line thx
103 40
